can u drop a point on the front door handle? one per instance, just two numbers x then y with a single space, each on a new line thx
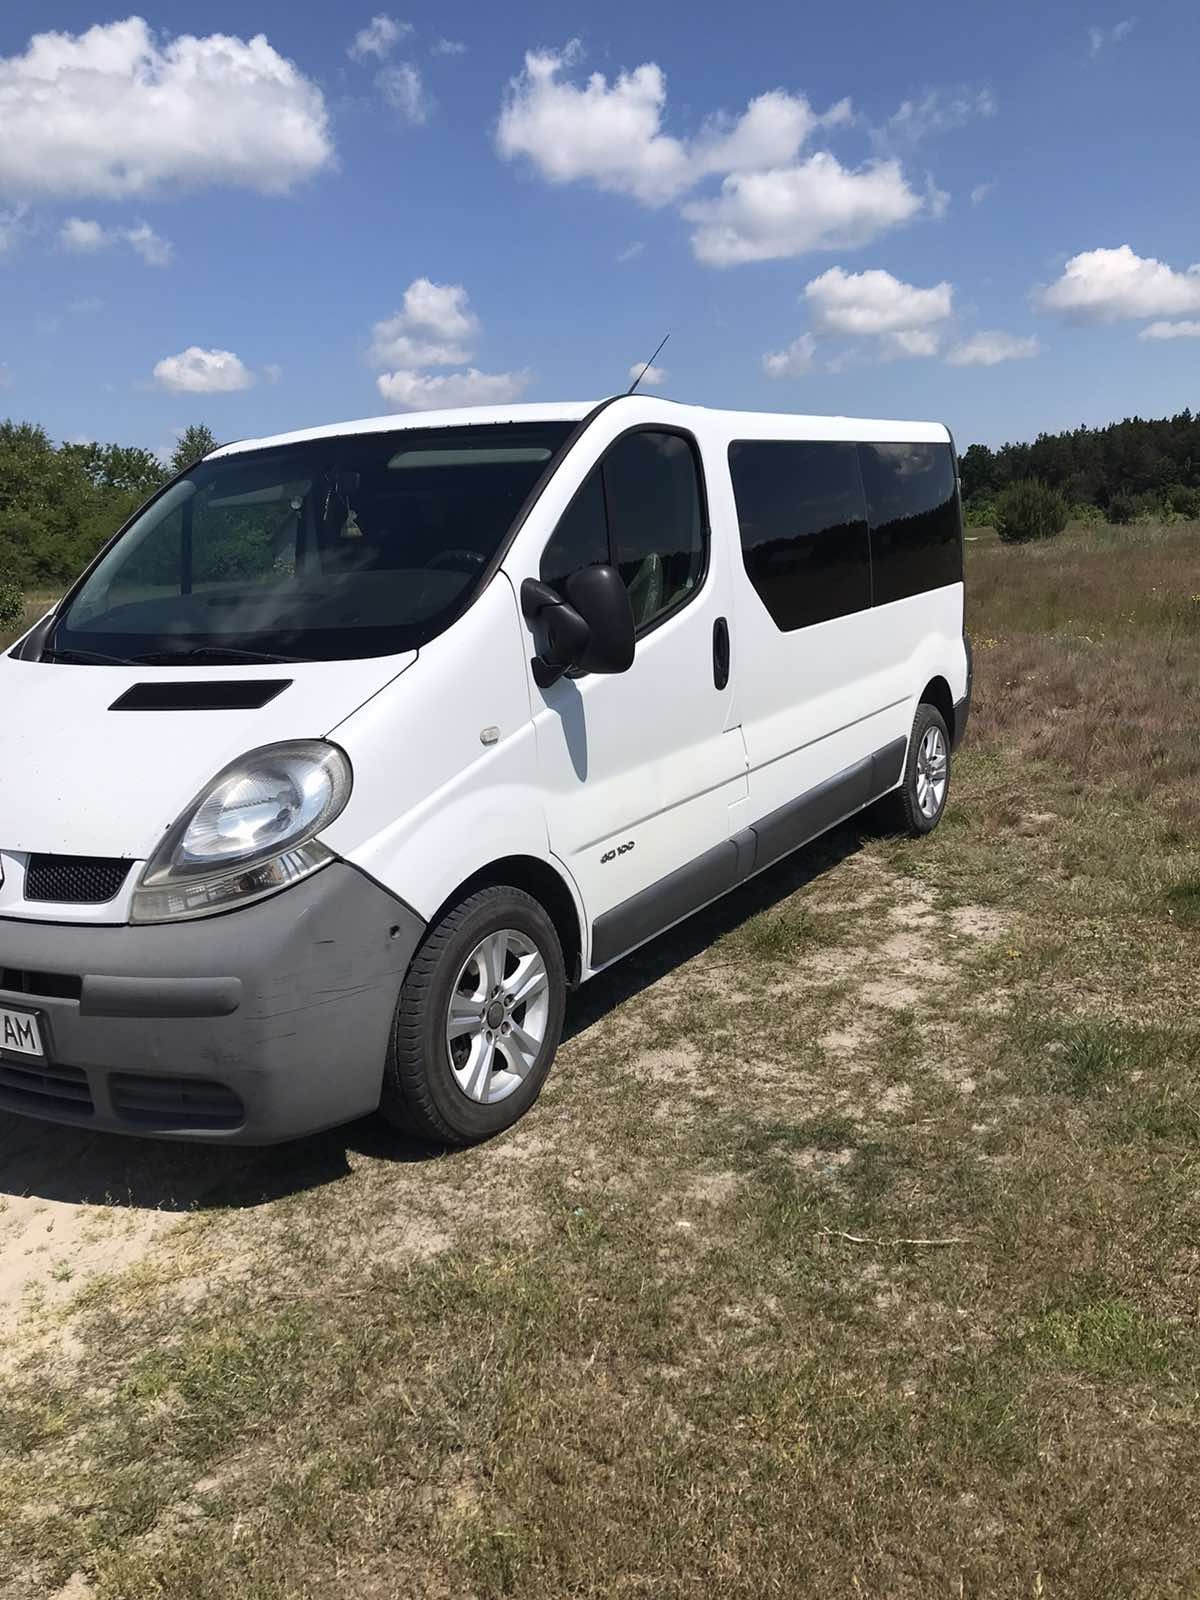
720 653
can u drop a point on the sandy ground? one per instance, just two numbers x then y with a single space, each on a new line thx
75 1205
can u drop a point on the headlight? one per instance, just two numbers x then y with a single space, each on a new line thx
250 832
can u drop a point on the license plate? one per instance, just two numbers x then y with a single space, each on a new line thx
19 1032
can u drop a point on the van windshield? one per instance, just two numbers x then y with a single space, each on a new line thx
357 545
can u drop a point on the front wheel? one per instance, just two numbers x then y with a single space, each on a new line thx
478 1020
916 807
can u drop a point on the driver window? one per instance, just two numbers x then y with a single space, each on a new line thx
640 509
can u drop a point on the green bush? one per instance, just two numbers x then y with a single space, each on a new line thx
1030 510
979 513
12 604
1182 501
1122 509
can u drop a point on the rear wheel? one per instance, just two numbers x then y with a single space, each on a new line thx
478 1020
916 807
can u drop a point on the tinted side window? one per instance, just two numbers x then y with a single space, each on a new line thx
803 528
913 511
655 521
641 510
581 538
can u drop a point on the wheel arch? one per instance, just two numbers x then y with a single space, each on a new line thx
937 693
547 886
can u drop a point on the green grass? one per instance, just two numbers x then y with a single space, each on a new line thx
848 1252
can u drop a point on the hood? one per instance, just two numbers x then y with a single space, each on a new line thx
78 778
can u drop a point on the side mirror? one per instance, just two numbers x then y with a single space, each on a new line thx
592 629
602 600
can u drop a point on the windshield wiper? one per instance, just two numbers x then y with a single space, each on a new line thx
85 658
215 653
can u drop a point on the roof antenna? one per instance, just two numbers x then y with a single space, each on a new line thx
647 367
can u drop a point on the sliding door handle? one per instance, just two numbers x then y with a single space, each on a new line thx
720 653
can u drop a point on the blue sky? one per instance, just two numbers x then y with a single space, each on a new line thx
984 214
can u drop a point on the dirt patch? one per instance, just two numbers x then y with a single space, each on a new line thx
978 922
50 1248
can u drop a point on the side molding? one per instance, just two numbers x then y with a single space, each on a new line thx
734 860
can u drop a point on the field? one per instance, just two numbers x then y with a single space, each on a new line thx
852 1249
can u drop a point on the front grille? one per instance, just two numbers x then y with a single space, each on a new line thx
164 1103
52 985
45 1088
74 880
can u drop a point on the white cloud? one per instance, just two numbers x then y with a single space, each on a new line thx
874 302
652 378
793 362
1107 285
154 250
196 371
910 342
78 233
937 111
901 319
378 38
1171 330
435 328
612 134
990 347
448 47
980 193
404 90
1099 37
815 205
116 111
423 391
631 251
85 236
771 203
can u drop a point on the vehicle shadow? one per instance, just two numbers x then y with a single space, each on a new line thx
669 950
72 1165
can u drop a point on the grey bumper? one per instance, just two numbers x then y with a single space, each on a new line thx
248 1028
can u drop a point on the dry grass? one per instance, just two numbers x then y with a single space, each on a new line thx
629 1349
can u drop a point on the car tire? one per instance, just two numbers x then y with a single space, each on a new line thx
478 1020
917 806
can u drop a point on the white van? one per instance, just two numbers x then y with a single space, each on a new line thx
358 747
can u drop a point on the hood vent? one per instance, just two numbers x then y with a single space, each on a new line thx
218 694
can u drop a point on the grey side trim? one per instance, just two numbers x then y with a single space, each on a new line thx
657 907
160 997
735 859
962 713
803 819
887 767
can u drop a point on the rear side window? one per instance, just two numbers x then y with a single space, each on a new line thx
803 528
912 506
640 510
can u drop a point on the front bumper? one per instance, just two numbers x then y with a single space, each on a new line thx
248 1028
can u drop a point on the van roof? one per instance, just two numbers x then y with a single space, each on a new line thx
769 424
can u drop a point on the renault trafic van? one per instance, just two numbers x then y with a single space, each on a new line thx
358 747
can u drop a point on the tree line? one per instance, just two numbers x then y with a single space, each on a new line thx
59 503
1138 467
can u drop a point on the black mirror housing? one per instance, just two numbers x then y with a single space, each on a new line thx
599 596
591 630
